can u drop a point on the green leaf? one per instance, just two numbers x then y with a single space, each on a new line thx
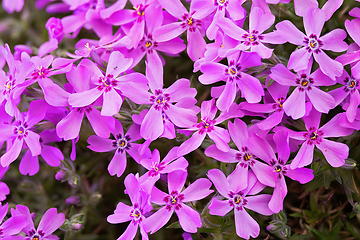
174 225
207 230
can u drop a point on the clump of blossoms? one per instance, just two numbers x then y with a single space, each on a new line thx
280 113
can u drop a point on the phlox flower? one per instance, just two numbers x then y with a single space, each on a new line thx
313 44
107 84
302 175
140 206
49 223
236 78
350 90
253 39
30 164
222 8
69 126
12 225
189 20
207 127
335 152
123 143
14 82
20 131
274 107
169 164
169 101
250 147
189 218
306 85
239 200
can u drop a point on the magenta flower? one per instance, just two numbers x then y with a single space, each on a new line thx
175 201
69 126
140 206
13 83
238 200
274 107
4 189
144 11
231 8
13 5
107 84
162 102
169 164
50 221
313 44
191 21
250 147
12 225
30 164
307 85
349 90
55 28
335 152
254 39
123 143
235 77
20 131
302 175
207 126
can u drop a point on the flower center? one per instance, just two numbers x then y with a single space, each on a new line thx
173 200
351 84
35 237
189 22
107 82
233 71
148 44
221 3
122 143
21 130
140 10
9 85
160 100
237 200
205 126
278 168
313 44
304 82
314 136
247 156
252 38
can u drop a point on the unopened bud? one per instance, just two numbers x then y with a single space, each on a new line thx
77 226
356 207
349 164
73 200
60 175
275 226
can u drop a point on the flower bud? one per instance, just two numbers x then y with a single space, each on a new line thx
349 164
356 207
73 200
74 180
60 175
55 28
275 226
76 226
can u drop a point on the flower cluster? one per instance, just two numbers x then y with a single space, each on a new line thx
129 111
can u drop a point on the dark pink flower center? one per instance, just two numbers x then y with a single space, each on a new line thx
278 105
246 158
107 83
190 23
173 200
122 143
136 214
9 85
313 44
351 84
205 125
234 71
304 82
221 4
140 12
155 168
21 130
314 136
148 44
237 200
160 100
40 72
252 38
